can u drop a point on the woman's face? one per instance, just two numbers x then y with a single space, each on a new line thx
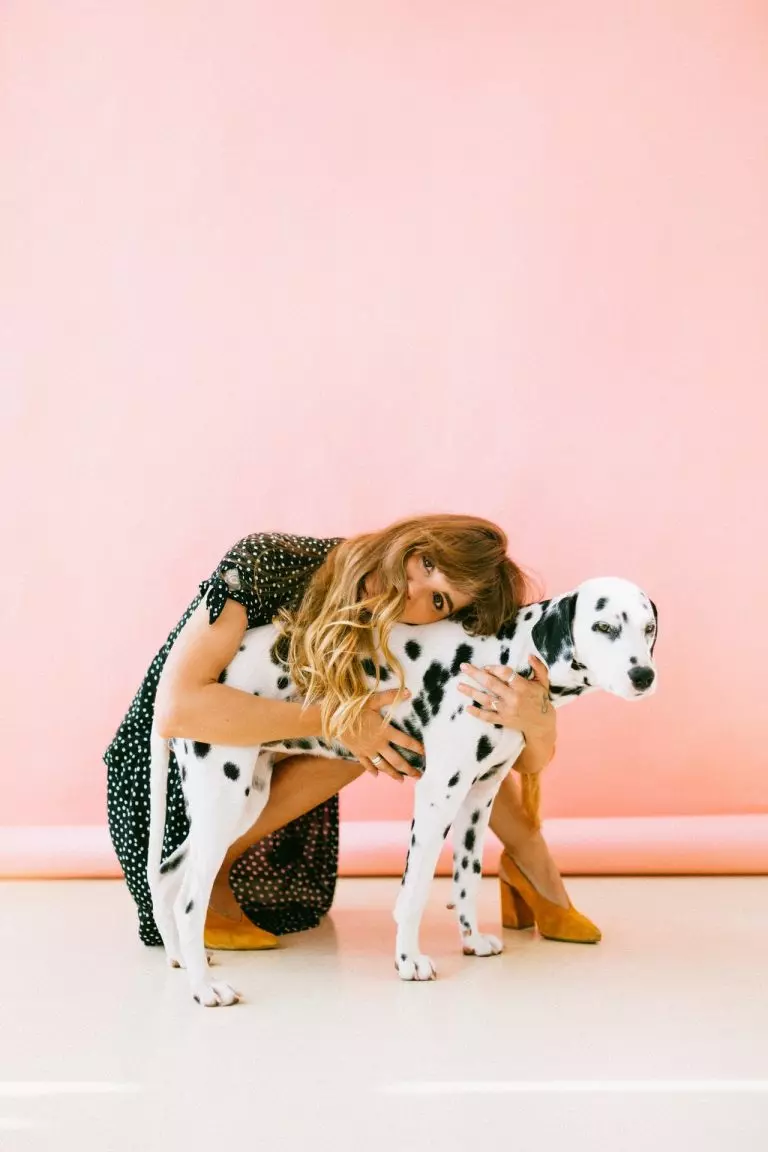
430 596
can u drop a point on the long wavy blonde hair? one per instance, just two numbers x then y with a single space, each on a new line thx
339 623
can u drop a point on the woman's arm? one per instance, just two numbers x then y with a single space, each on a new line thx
190 702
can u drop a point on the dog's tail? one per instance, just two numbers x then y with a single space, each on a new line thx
158 786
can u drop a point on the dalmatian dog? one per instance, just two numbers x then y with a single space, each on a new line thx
600 636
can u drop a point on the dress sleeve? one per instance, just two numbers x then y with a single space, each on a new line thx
264 572
238 577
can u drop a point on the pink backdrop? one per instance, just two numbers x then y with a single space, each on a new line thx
315 266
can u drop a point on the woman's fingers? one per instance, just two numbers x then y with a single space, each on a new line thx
393 758
403 740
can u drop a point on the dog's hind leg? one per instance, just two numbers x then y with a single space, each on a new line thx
469 829
218 802
163 877
166 889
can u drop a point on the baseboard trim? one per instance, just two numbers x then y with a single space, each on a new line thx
629 845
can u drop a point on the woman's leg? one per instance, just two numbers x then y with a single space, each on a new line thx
525 844
299 783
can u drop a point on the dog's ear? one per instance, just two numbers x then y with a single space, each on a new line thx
553 632
656 618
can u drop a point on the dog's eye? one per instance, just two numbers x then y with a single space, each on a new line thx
650 630
601 626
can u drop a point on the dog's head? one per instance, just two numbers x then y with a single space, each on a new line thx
614 629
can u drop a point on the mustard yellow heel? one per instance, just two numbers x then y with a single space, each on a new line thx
522 906
228 935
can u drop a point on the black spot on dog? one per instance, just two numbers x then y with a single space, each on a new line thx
469 839
463 894
463 656
183 773
633 659
456 877
384 674
201 749
172 863
256 693
508 629
369 667
554 690
577 667
498 726
413 841
403 956
283 682
475 815
625 618
553 632
454 780
231 771
477 867
504 656
413 650
409 726
189 907
223 676
465 861
601 603
446 831
435 679
241 648
484 748
248 791
421 710
490 772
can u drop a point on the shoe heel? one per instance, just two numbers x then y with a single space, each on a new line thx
515 913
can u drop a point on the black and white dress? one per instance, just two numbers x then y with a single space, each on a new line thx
285 882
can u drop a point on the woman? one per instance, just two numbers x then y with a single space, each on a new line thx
329 594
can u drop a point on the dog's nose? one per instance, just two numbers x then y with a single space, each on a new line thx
642 678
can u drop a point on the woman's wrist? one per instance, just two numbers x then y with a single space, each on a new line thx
310 721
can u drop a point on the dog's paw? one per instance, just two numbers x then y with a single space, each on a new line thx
416 967
476 944
214 995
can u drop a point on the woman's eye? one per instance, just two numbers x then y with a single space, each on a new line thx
427 563
438 601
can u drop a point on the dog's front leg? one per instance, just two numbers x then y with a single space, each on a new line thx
435 807
469 831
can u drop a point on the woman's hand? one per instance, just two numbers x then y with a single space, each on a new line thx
515 702
373 739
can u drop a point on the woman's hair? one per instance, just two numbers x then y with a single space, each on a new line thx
338 624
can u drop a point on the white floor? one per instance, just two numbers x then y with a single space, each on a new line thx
655 1039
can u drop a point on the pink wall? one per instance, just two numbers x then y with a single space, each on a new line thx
314 266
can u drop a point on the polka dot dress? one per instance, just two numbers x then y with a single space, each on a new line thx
286 882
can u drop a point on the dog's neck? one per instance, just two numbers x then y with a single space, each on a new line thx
544 629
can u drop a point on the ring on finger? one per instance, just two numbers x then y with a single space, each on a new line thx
494 704
376 760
